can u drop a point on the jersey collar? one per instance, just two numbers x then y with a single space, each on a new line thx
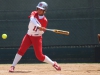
40 17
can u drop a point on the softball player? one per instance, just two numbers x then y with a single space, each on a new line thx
34 37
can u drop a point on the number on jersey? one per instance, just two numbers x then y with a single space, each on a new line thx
35 28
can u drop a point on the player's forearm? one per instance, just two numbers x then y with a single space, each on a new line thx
37 24
34 21
42 28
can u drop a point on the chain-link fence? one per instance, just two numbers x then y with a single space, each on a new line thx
80 17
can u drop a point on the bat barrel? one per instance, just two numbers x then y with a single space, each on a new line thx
62 32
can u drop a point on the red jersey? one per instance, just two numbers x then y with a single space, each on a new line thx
32 28
42 21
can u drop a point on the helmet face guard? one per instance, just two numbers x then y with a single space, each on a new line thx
42 5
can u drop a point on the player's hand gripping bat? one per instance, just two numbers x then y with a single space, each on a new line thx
58 31
55 30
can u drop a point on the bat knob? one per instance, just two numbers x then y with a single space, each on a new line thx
68 33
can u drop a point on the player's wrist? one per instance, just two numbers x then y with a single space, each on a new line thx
42 28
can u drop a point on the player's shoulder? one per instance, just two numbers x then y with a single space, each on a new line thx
34 12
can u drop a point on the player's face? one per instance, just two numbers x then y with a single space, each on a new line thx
40 11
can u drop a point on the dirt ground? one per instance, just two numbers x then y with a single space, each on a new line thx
47 69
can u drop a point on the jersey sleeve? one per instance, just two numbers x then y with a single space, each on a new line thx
45 23
32 14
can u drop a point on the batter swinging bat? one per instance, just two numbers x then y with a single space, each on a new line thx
59 31
55 30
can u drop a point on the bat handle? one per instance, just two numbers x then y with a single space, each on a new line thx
49 29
